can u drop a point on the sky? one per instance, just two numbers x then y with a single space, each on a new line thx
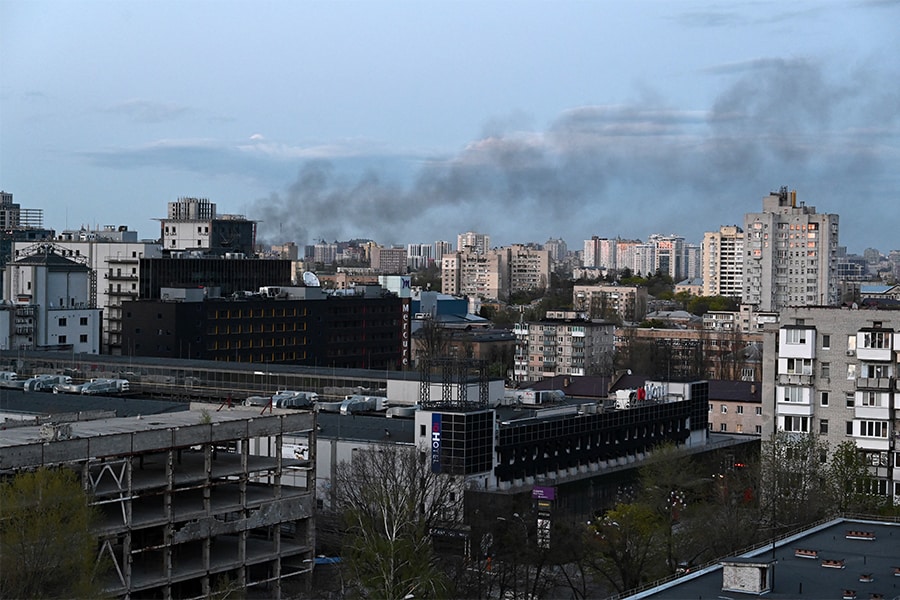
413 121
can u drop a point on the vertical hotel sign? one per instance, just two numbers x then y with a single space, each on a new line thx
435 442
406 324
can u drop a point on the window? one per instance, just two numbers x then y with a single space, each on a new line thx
759 429
758 411
877 371
723 427
849 427
83 321
826 341
62 321
851 400
83 338
793 393
710 408
851 371
869 399
876 339
724 409
826 369
878 429
799 366
795 336
62 339
799 424
740 409
823 399
421 431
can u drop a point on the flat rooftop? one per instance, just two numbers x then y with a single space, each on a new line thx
864 565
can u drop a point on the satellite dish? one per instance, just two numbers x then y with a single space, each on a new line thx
310 279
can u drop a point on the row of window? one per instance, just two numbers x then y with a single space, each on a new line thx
738 410
800 424
63 321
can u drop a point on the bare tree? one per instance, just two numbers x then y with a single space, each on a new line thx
390 500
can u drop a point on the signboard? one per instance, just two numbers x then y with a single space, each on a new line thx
436 442
543 493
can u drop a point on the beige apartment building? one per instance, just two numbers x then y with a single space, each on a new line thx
496 273
723 262
564 343
628 302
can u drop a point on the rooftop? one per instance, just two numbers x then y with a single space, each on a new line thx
832 562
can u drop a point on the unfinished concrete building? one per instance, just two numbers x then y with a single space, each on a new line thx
191 501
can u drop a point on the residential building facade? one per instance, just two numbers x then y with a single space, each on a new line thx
723 262
834 374
790 255
628 302
564 343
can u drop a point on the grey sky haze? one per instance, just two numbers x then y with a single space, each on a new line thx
414 121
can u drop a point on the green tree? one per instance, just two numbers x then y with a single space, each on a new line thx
47 545
389 499
849 480
625 546
793 479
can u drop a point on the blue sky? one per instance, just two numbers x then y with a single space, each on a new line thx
414 121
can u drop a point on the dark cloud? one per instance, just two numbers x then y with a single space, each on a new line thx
618 170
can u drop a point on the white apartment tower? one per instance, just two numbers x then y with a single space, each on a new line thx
479 243
835 374
723 262
790 255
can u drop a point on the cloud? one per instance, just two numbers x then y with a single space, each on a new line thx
148 111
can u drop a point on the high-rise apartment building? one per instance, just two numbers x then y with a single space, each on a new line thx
529 268
391 261
835 374
790 255
479 243
496 274
669 256
723 262
474 275
600 252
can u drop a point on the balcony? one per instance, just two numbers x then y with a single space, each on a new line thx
794 379
874 383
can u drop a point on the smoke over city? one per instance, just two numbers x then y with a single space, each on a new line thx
627 170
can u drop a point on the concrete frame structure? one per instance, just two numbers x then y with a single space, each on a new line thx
835 373
188 498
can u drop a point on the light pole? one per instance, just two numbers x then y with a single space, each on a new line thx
518 519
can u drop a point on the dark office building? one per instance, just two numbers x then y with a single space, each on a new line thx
331 331
229 275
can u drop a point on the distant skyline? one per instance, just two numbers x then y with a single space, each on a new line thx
409 122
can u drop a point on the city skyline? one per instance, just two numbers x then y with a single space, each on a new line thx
382 120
